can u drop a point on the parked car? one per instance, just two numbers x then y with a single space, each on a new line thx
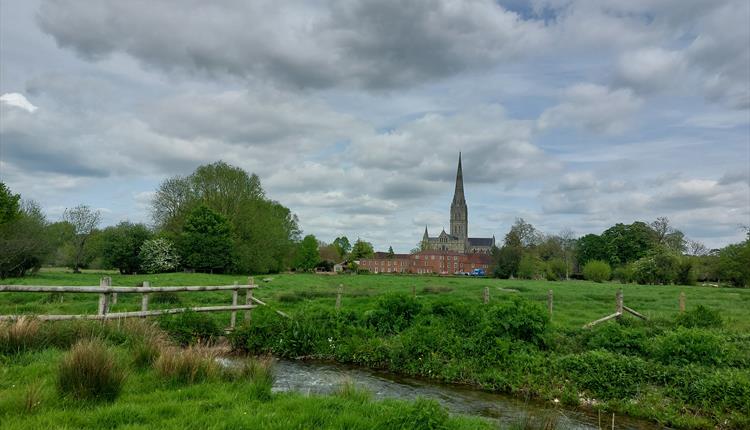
477 272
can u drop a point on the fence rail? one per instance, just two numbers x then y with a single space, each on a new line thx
108 296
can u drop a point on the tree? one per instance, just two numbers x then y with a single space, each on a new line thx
391 254
530 267
626 243
158 255
84 221
342 246
591 247
9 204
307 253
121 246
361 249
524 234
23 241
734 264
597 271
507 260
328 252
205 242
264 233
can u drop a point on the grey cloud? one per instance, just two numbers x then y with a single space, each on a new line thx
371 44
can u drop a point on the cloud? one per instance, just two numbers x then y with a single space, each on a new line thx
650 69
366 43
592 107
19 101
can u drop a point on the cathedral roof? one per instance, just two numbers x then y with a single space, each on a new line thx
481 241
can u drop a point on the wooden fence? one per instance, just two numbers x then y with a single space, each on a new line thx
108 295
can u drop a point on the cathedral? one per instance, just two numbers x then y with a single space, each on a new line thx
458 239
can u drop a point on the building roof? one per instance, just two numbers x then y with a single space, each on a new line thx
481 241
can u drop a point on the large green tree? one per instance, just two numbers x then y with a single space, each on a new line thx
84 220
361 249
9 204
121 246
23 240
205 243
627 243
307 253
342 246
263 233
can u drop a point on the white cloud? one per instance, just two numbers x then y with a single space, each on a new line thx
18 100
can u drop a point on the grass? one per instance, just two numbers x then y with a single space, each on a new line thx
90 371
575 302
703 394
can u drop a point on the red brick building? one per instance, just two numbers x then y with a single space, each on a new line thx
434 262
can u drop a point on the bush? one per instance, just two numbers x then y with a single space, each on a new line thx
556 269
158 255
604 374
89 371
22 335
518 319
597 271
624 274
618 338
701 316
529 267
187 366
394 312
189 328
689 345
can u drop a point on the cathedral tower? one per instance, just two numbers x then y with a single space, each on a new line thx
459 211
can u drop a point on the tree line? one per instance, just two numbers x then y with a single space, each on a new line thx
646 253
217 219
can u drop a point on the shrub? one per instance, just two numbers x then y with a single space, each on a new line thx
689 345
89 371
529 267
394 312
159 255
518 319
618 338
189 328
597 271
188 365
19 336
624 274
604 374
701 316
556 269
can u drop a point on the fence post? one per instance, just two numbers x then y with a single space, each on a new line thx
338 296
549 303
233 318
486 297
682 301
144 298
102 298
619 302
112 296
249 298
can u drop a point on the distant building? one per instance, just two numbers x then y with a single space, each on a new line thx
458 240
426 262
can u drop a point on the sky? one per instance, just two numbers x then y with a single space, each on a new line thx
571 114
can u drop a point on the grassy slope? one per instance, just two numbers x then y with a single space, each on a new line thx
147 402
576 302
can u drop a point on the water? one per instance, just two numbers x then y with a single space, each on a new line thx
323 378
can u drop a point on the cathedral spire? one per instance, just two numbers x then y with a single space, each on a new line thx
458 195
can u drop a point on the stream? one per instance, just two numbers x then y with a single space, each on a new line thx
311 377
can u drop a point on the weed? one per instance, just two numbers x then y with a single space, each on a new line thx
21 335
187 366
89 371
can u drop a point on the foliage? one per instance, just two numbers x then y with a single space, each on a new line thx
617 337
158 255
507 259
733 264
689 345
556 269
700 316
591 247
23 242
626 243
597 271
529 267
263 232
624 274
122 245
9 204
361 249
19 336
205 243
343 247
84 221
189 328
90 372
604 374
660 266
307 254
519 319
393 313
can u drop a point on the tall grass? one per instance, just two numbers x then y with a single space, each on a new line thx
187 366
146 341
257 371
89 371
21 335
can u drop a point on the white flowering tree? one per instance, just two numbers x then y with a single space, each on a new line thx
159 255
